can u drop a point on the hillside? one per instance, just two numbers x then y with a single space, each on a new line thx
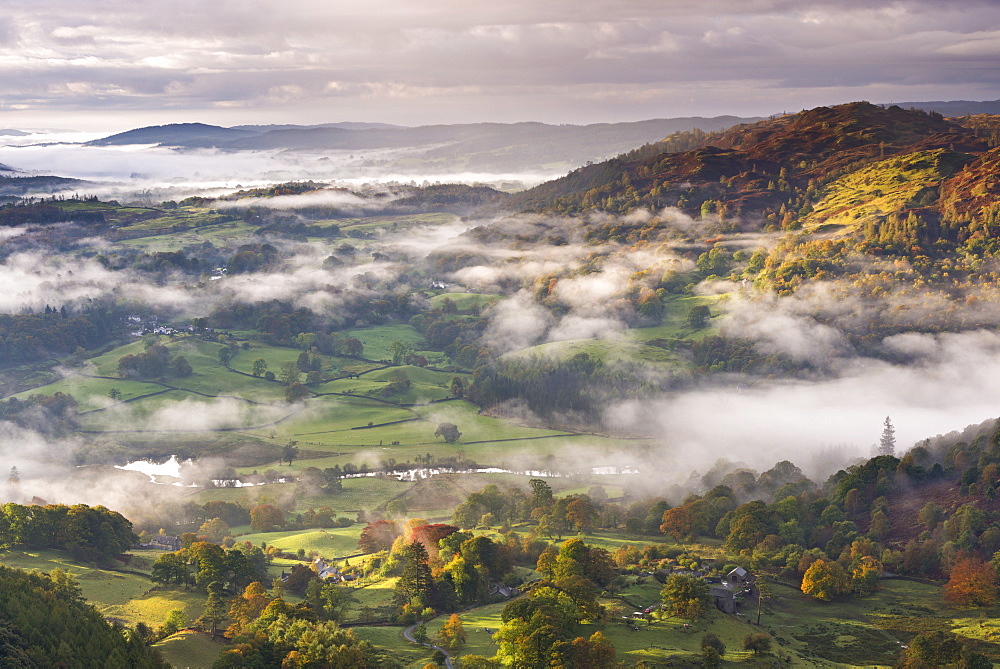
752 169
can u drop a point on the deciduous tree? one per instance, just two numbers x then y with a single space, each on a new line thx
824 580
972 583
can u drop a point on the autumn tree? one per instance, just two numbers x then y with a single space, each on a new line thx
582 514
246 608
215 530
452 633
686 596
378 536
864 573
296 392
679 523
972 583
824 580
266 518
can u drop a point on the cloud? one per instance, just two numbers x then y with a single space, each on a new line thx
952 381
449 61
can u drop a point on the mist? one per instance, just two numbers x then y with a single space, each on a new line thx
153 173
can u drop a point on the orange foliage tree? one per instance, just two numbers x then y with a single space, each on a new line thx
972 583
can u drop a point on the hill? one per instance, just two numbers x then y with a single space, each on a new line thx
857 164
955 107
190 135
460 147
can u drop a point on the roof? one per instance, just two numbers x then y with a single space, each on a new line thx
739 571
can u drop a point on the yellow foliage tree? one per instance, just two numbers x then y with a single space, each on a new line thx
825 580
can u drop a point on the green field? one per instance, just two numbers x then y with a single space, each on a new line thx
189 649
464 301
632 345
331 543
377 340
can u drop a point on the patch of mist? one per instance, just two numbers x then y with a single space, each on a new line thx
951 379
191 415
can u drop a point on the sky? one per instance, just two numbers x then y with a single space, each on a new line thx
101 65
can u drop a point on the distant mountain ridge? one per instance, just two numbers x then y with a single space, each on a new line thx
953 107
459 147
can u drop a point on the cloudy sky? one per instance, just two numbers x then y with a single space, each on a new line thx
114 64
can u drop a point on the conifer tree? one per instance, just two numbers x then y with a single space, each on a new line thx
887 444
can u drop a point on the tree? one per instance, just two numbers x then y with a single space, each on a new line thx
296 392
226 354
541 494
864 573
115 394
215 608
824 580
757 643
180 367
259 367
334 601
266 518
398 350
711 640
170 568
215 530
936 649
452 633
175 622
353 347
378 536
887 443
686 596
289 452
582 514
448 431
698 316
290 373
972 583
415 581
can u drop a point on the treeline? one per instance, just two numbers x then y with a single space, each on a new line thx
33 337
161 262
92 534
155 361
282 323
202 563
881 514
44 212
44 622
55 414
581 384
